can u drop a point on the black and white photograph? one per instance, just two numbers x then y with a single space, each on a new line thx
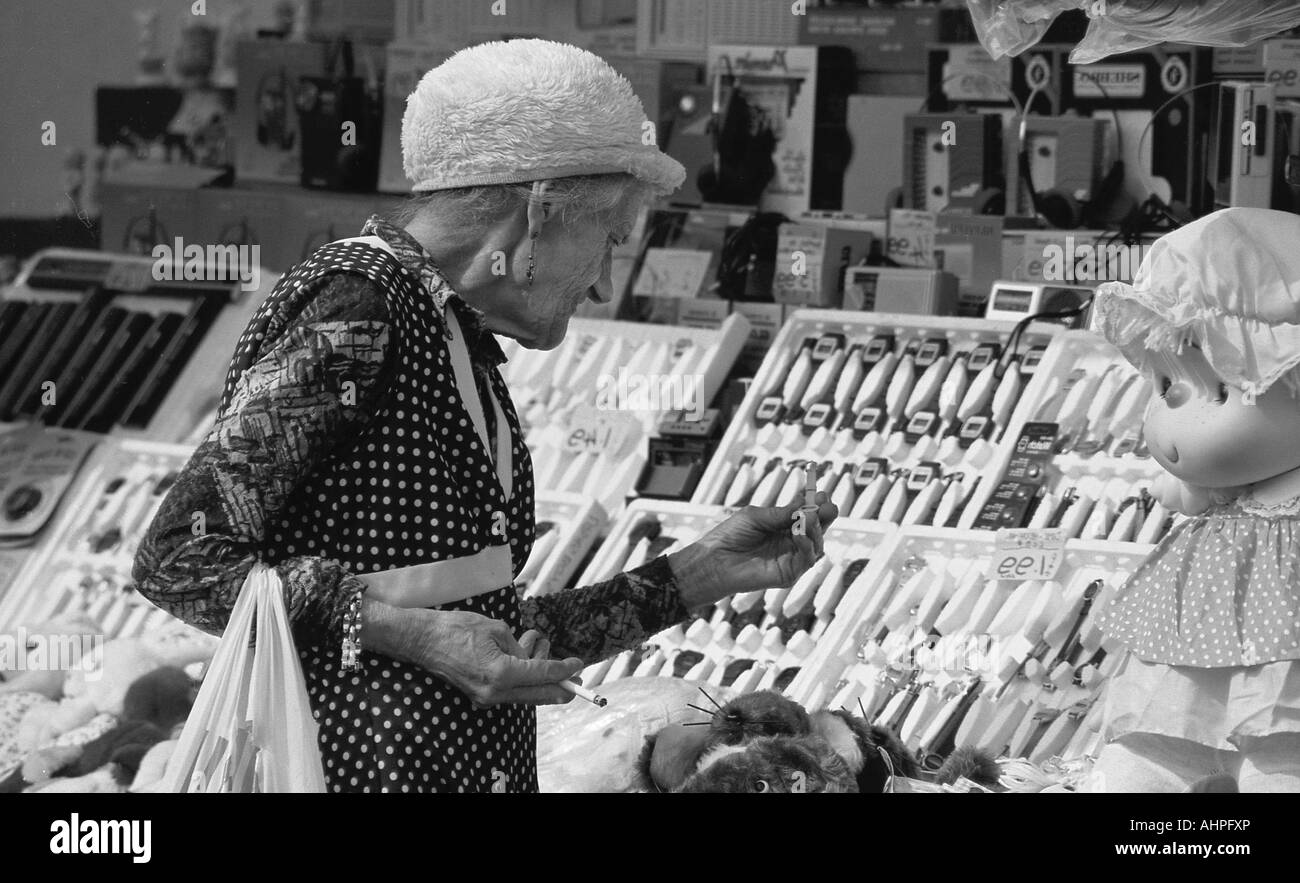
539 397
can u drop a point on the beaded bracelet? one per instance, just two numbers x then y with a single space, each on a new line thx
352 634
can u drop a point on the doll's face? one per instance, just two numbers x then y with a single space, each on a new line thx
1199 429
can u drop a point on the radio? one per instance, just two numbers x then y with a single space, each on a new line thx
1241 152
1016 300
899 290
1138 85
1064 166
952 162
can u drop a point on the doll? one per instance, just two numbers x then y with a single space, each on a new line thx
1210 686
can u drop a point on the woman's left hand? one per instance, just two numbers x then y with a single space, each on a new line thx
755 548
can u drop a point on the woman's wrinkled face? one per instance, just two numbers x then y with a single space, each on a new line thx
1199 429
573 263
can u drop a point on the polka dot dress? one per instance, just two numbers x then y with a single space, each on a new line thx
415 486
1221 590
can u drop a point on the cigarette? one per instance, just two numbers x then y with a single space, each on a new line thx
810 487
583 693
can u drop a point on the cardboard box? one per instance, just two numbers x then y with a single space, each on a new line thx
765 322
886 39
703 312
245 217
1282 66
672 29
366 22
875 170
1238 61
135 219
265 129
971 249
406 64
810 263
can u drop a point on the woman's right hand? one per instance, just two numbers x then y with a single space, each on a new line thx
481 657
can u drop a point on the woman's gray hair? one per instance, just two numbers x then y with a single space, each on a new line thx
579 197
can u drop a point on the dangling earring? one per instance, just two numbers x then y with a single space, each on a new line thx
532 260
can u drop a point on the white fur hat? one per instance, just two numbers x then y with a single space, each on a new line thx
528 110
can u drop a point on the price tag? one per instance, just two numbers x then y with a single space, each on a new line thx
1282 66
599 432
911 237
1022 553
971 74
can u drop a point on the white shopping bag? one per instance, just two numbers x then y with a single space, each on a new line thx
251 728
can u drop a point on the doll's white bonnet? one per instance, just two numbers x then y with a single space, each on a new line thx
528 110
1229 281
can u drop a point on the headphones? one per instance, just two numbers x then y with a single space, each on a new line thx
274 128
142 233
1063 210
742 159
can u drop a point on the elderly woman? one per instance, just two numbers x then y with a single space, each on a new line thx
367 447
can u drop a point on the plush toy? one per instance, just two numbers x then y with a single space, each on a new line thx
765 742
154 706
1211 620
100 686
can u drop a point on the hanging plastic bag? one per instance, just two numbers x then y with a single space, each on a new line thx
251 728
1009 27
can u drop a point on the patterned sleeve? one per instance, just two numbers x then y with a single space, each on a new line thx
311 387
595 622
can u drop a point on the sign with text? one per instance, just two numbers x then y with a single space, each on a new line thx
911 237
600 432
1024 553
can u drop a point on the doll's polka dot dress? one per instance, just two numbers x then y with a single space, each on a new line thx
1219 591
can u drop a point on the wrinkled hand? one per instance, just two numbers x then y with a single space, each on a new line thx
1177 495
753 549
481 657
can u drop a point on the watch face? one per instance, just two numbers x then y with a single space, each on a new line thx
768 408
877 348
921 423
817 415
867 472
824 347
982 356
929 351
870 419
974 428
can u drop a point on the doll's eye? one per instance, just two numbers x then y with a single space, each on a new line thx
1223 394
761 787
